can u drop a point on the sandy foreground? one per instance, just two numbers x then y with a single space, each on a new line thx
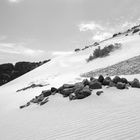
114 115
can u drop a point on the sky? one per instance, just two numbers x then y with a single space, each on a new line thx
36 30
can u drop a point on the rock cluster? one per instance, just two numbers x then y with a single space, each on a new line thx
84 89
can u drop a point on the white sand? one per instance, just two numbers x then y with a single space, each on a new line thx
114 115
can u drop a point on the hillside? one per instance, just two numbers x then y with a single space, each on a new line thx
112 115
127 67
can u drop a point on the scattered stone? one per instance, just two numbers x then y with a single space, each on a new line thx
135 83
68 86
46 93
85 92
93 79
121 85
72 97
95 85
44 101
85 82
53 89
124 80
23 106
116 79
98 93
101 79
106 82
111 84
66 92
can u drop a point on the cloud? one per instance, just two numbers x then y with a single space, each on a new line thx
19 49
61 53
101 31
90 26
15 1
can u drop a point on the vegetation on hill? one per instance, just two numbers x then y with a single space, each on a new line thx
103 52
9 71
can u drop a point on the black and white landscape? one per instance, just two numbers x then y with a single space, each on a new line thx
86 92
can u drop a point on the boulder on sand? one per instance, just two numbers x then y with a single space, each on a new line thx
46 93
85 82
101 79
135 83
66 92
116 79
98 93
120 85
85 92
95 85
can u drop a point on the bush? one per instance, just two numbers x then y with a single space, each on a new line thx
77 50
103 52
136 30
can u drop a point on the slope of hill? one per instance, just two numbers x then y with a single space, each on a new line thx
127 67
113 115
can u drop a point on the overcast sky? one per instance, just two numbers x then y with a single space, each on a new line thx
32 30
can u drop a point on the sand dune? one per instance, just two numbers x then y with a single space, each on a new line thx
114 115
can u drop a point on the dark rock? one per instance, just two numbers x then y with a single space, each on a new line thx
95 85
53 89
68 86
79 85
67 91
124 80
23 106
111 84
85 92
98 93
72 97
77 50
46 93
135 83
44 101
116 79
101 79
106 82
120 85
93 79
108 78
85 82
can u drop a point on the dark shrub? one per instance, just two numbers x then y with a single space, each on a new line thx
96 44
136 30
103 52
77 50
115 35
